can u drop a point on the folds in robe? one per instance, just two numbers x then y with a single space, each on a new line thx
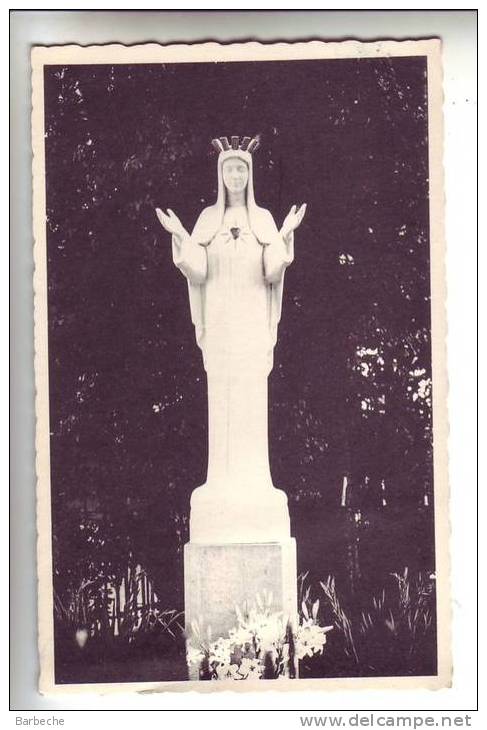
235 287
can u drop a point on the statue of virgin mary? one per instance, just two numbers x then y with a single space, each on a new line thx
234 262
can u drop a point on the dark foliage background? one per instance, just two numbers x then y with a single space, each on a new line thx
350 393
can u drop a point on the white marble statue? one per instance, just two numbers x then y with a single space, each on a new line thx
234 262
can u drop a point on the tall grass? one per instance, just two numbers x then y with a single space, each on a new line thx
106 612
391 632
341 621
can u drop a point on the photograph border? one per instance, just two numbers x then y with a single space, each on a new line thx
252 51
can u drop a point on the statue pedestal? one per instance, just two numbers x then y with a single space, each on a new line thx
218 577
243 515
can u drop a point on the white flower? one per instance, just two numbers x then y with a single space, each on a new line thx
220 651
250 668
227 671
260 633
241 635
81 637
194 656
269 636
310 638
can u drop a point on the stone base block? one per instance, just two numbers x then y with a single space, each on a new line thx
218 577
250 515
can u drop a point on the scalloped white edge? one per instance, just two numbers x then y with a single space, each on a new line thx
211 52
251 51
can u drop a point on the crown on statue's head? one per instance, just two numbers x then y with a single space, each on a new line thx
245 144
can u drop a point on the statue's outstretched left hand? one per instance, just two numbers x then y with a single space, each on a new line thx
293 219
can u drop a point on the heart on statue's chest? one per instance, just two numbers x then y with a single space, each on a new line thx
235 233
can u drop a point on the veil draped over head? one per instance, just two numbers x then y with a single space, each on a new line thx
264 229
211 219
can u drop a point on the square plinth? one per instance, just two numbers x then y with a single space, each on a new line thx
219 577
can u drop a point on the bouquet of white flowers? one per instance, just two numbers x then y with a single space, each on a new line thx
263 645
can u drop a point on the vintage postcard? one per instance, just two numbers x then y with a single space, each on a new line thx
240 366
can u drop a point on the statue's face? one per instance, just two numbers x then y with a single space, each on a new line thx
235 174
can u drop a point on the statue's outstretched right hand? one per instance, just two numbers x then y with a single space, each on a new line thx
171 223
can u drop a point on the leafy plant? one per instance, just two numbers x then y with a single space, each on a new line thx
114 609
341 619
398 622
392 632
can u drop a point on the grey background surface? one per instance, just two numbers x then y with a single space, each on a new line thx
28 28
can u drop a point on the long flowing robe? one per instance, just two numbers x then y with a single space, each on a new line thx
235 291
